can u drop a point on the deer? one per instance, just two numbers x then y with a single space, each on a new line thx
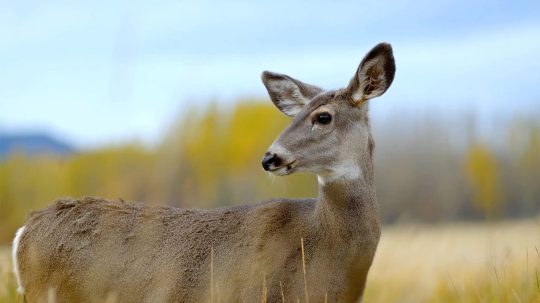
280 250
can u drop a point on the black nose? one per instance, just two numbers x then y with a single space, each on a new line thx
270 159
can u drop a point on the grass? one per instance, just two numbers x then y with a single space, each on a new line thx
8 285
457 263
477 262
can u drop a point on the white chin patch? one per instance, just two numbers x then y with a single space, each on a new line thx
283 171
346 171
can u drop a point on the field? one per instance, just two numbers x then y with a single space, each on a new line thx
466 262
457 263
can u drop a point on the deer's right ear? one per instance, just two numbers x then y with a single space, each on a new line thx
288 94
374 75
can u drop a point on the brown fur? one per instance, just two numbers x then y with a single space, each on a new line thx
92 249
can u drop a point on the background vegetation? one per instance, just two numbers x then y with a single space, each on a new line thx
427 170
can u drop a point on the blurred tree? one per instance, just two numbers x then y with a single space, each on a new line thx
211 157
525 143
529 163
483 172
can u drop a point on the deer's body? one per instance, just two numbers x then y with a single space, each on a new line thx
92 249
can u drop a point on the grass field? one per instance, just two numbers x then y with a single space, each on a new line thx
457 263
497 262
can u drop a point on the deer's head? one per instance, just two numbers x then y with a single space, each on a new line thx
330 133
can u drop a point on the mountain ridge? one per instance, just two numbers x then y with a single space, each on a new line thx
33 143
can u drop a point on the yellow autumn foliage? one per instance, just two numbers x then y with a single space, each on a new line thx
211 157
483 173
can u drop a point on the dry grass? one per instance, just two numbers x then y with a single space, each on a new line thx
457 263
449 263
8 286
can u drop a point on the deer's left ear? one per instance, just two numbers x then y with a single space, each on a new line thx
288 94
374 75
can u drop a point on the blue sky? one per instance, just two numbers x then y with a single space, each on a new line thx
101 72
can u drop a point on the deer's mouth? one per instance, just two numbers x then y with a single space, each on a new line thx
284 169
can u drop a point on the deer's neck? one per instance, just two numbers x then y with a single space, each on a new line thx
347 204
346 197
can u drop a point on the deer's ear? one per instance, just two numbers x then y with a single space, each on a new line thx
288 94
374 75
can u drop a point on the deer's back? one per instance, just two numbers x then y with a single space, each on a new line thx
99 245
83 250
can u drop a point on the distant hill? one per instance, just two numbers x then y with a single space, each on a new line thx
32 144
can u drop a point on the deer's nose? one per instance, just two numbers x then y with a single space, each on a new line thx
270 160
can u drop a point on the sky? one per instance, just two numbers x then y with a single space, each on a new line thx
107 72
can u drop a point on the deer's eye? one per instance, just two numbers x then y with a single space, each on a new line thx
324 118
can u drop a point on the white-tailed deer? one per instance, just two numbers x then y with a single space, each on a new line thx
91 250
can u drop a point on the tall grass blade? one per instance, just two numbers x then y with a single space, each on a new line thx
304 269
